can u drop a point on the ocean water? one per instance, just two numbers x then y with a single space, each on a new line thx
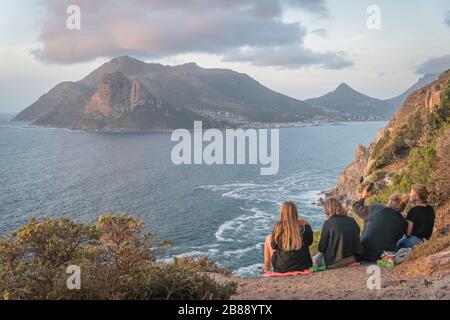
224 212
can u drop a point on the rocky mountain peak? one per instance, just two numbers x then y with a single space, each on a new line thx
126 60
190 66
115 95
343 86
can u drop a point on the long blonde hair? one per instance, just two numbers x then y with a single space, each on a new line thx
287 230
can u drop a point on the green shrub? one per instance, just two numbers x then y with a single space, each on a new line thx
421 164
314 248
441 115
175 282
380 145
203 264
116 259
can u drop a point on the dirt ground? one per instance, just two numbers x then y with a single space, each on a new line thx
347 283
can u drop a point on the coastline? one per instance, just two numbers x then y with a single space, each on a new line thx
253 125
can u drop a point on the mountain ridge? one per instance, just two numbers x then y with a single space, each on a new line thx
223 96
207 92
353 104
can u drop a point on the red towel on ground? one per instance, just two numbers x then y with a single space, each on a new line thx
285 274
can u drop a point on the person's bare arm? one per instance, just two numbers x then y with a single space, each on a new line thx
268 252
410 227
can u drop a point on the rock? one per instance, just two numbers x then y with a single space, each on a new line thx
347 186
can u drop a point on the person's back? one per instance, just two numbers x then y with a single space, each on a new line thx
293 260
385 227
340 239
287 248
423 219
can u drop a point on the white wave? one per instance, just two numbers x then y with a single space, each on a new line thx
249 271
241 252
296 187
222 228
254 223
192 254
197 254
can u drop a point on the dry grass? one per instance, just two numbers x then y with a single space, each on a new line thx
432 257
429 247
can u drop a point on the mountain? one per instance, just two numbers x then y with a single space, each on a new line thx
351 104
213 90
217 95
396 102
115 103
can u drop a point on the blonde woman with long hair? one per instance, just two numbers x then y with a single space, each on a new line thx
287 248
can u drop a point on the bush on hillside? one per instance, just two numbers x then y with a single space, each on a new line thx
441 115
116 259
418 135
420 166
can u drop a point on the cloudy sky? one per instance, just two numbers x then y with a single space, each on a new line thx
302 48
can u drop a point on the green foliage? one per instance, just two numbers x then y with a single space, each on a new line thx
175 282
401 182
441 115
314 248
418 134
116 259
203 264
421 164
380 145
397 143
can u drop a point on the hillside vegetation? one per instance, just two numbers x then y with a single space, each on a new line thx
414 149
116 261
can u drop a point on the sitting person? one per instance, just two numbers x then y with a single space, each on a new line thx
287 248
420 219
339 242
383 225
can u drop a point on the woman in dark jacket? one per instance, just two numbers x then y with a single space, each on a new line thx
287 248
340 238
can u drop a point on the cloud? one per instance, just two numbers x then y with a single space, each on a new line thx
434 65
447 18
315 6
322 32
290 57
162 28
